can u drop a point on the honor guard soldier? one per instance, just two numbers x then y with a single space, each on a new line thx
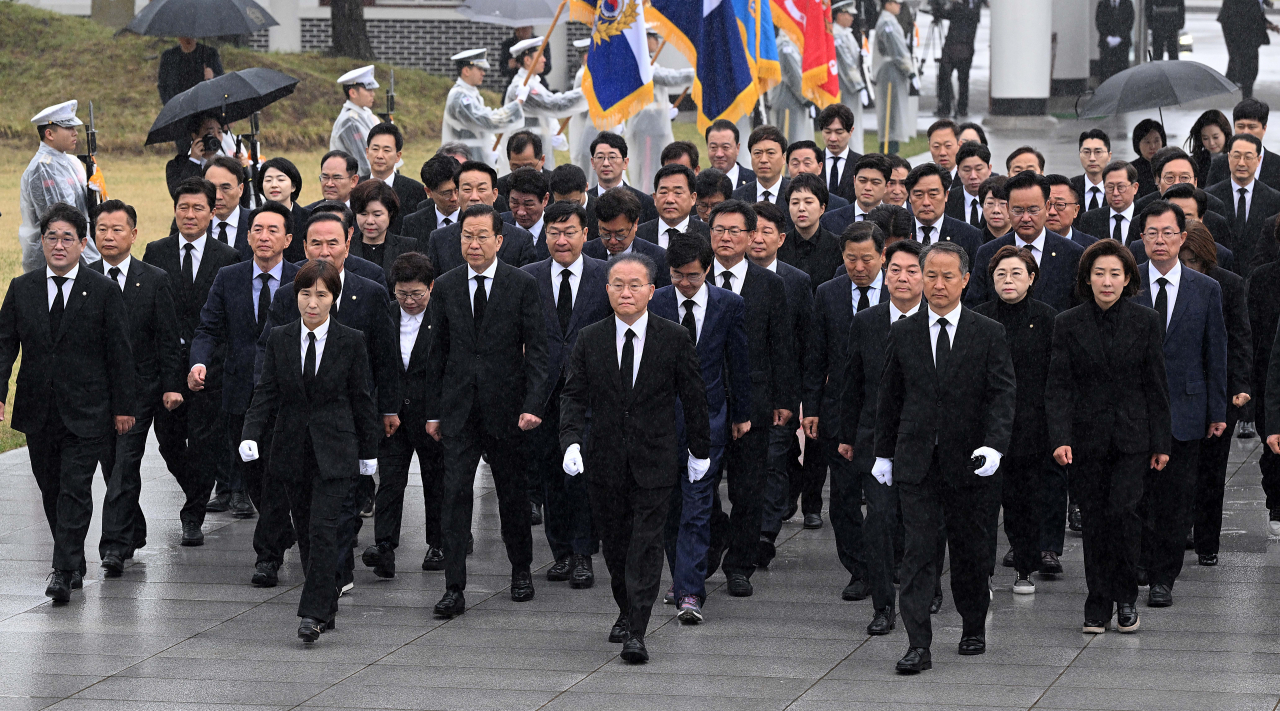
54 175
543 107
351 130
466 118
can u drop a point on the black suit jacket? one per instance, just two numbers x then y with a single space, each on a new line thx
648 211
1099 224
633 433
445 247
297 227
800 305
1029 327
153 331
1078 184
1243 22
419 225
338 417
359 266
189 299
1054 286
413 379
745 175
86 369
747 193
960 232
504 181
1114 22
1218 170
500 367
648 231
590 305
411 193
957 201
596 250
1226 259
1264 313
825 356
1239 341
860 383
1245 243
179 169
775 367
846 189
923 414
819 257
1095 400
242 246
396 245
1082 239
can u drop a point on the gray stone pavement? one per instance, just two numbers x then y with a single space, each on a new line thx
184 629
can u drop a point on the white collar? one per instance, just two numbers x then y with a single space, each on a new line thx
441 217
878 284
1235 187
700 298
953 318
638 327
574 269
71 275
536 228
842 155
123 266
321 331
487 273
732 174
1088 183
233 220
772 266
1038 242
197 243
391 179
276 272
413 318
738 270
775 188
1173 277
1128 213
683 226
894 313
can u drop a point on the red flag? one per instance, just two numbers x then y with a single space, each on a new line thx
808 24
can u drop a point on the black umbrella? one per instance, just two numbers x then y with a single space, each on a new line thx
201 18
1153 85
230 97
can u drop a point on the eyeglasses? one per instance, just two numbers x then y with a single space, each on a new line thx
1060 205
410 295
1237 155
609 158
1020 211
621 288
326 178
614 235
1116 188
1093 152
53 239
695 278
731 231
482 239
557 234
1154 233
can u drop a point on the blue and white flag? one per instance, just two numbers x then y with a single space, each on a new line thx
709 35
618 80
756 20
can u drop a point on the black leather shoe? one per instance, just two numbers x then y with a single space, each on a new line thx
560 571
310 628
220 503
936 606
855 590
882 623
434 559
583 576
766 551
1094 627
451 605
621 630
366 511
1049 563
521 587
1007 561
265 575
1208 559
739 585
382 558
241 506
972 644
77 580
633 651
112 565
1127 617
1143 580
791 510
812 521
916 660
535 514
1159 596
191 534
1074 520
59 588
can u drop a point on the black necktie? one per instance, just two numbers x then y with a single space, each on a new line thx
1116 234
834 185
925 239
222 233
264 300
446 222
1093 199
628 361
863 301
309 364
726 280
480 300
672 233
564 302
944 345
766 196
974 218
689 322
901 316
1241 212
55 311
114 273
1162 303
188 273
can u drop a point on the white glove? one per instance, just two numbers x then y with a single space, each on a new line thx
698 468
368 467
1113 42
993 460
248 450
813 111
573 460
882 470
672 113
559 142
523 92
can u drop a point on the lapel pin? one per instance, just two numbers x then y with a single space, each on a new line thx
84 293
1053 254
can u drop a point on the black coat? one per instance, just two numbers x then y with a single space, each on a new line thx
1100 224
635 432
596 250
747 193
860 386
1054 286
1264 313
1265 203
1219 171
1239 340
500 368
957 48
179 169
1243 22
775 367
847 188
503 182
800 307
957 207
590 306
825 355
396 245
86 369
962 233
339 415
413 380
1114 22
819 257
648 231
411 194
1029 327
1146 178
648 211
153 331
1166 15
419 225
180 71
445 247
296 250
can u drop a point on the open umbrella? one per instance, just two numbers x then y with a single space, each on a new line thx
230 97
1154 85
201 18
509 13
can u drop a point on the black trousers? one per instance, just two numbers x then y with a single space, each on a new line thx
1211 486
809 473
1269 463
124 527
745 466
394 456
315 504
631 519
961 69
1242 63
846 512
566 518
1164 42
274 533
1020 495
1166 512
193 445
63 465
1053 507
461 457
879 529
1108 489
965 510
1113 60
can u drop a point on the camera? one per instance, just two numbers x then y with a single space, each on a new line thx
210 143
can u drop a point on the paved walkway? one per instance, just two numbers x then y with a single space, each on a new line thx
184 629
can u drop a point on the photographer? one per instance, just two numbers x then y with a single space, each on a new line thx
206 142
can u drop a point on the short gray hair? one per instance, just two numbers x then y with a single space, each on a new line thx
947 247
634 258
454 148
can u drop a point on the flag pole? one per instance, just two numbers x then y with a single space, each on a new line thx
888 108
545 40
662 46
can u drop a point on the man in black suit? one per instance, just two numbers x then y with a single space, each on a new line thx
712 188
571 290
870 183
230 224
927 192
1248 201
568 183
384 146
617 213
375 207
674 197
808 246
192 436
631 372
339 174
944 140
805 157
1249 116
524 150
957 53
774 389
856 428
353 264
930 426
609 161
1115 219
1195 204
76 386
1056 256
527 196
768 147
973 165
1172 166
1095 156
836 124
723 147
441 209
475 181
1244 27
231 323
1062 210
1264 315
486 386
153 335
1114 22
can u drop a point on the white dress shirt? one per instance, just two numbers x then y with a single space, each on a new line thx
873 293
858 213
488 282
664 239
600 189
1124 224
895 314
1036 246
1089 188
970 201
322 334
441 217
935 231
409 327
1248 196
637 341
699 307
772 266
773 191
66 285
391 179
953 319
739 272
841 168
575 279
124 270
233 225
1170 290
196 254
732 174
536 229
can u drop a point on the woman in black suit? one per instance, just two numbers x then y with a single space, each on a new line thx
315 383
1107 403
1148 137
279 180
1199 253
376 206
1028 324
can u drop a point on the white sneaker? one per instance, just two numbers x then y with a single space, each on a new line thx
1273 527
346 589
1024 586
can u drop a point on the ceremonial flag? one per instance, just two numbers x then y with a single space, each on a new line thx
755 20
618 80
808 24
708 34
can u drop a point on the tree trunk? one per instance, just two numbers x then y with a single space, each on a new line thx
350 36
